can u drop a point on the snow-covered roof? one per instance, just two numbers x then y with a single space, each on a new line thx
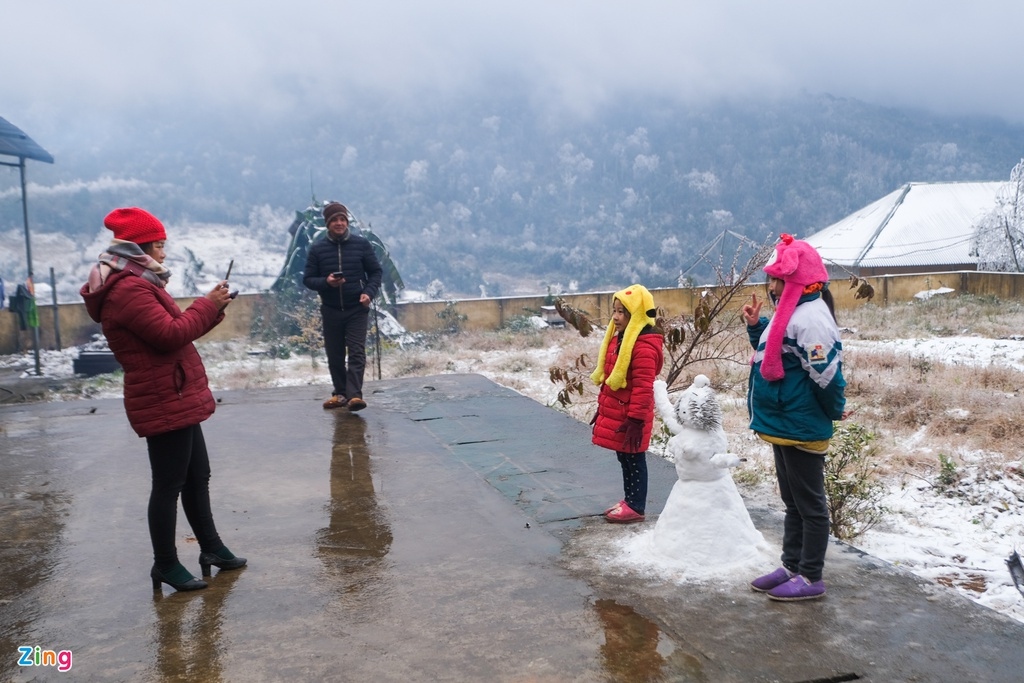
918 225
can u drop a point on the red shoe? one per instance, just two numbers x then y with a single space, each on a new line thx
624 515
613 508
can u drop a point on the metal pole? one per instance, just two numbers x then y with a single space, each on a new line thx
28 254
376 329
56 315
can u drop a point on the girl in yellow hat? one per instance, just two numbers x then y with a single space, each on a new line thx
630 360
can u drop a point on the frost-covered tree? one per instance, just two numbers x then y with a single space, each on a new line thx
999 235
416 174
193 273
435 289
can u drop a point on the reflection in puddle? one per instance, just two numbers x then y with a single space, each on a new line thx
189 640
636 650
630 650
33 509
358 535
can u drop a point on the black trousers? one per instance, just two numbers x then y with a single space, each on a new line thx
801 478
180 465
345 337
634 479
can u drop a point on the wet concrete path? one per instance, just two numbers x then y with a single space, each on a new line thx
448 532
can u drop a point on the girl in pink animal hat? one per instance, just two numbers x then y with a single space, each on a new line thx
795 392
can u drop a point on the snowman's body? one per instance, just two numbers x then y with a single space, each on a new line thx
704 521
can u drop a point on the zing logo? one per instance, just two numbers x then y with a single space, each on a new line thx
36 656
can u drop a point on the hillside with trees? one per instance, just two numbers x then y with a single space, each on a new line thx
494 195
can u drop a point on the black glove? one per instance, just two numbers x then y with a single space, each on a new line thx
593 420
634 429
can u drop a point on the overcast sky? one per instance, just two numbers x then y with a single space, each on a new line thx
264 57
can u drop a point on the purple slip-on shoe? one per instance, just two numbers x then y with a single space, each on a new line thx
765 583
798 588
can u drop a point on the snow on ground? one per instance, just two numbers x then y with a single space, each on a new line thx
971 351
524 370
959 537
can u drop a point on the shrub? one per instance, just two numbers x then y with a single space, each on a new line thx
948 475
854 493
451 318
288 320
520 324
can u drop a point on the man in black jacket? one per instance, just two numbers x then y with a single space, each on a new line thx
344 270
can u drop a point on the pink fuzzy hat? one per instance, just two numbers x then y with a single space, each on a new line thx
798 264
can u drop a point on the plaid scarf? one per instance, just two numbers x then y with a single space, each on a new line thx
117 255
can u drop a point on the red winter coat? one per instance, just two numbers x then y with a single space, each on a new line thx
165 386
636 399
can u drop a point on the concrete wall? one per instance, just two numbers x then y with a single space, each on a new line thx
489 314
76 327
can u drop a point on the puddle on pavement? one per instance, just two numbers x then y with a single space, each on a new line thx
356 541
188 641
33 507
365 570
636 650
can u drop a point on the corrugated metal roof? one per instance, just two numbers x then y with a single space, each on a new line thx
14 142
920 224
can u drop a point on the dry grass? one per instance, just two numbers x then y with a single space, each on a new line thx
939 316
907 393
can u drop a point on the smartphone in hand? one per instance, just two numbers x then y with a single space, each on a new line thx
227 276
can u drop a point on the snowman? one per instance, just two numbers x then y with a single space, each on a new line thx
705 526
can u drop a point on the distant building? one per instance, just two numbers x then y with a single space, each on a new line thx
919 228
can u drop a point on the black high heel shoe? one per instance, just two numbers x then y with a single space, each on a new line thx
176 579
219 561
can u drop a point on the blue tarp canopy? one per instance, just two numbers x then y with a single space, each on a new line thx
14 142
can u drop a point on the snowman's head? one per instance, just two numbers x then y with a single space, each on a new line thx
698 407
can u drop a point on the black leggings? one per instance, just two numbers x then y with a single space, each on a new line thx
180 465
801 477
634 479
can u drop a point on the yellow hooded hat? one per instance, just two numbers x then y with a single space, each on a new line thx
640 304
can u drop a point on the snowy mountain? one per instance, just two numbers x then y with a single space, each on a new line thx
198 255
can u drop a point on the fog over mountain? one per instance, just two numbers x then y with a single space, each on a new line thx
490 195
505 147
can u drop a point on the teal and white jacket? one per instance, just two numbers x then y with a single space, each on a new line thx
804 403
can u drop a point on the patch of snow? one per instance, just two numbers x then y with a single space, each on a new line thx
928 294
968 351
959 538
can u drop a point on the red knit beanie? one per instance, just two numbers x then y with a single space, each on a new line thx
135 225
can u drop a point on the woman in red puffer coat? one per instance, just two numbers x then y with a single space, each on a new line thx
630 360
166 394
